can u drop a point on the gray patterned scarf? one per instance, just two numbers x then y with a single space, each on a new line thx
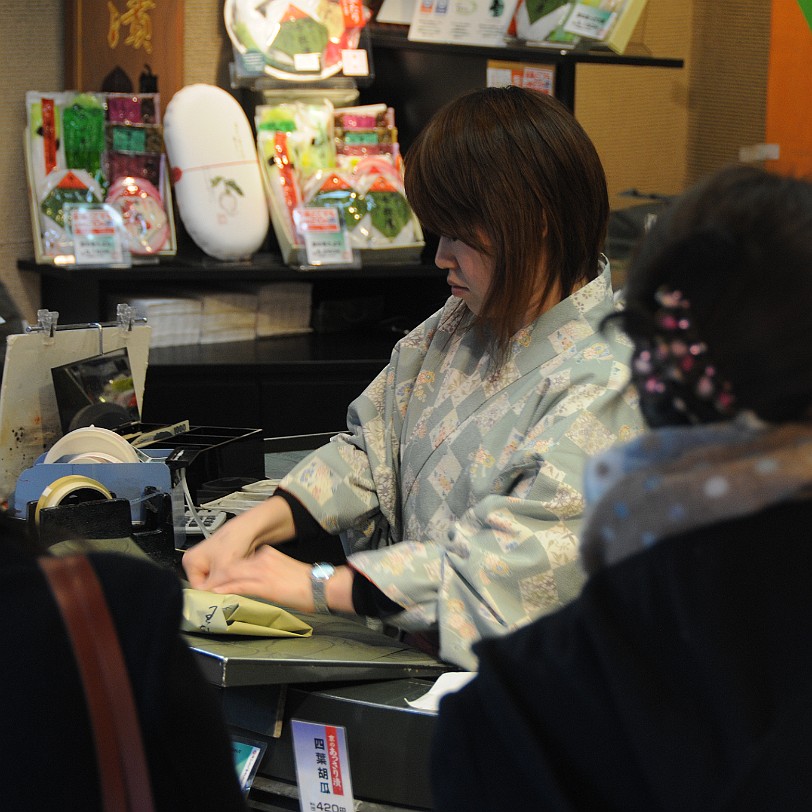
677 479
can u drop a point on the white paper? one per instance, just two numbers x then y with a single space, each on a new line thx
469 22
445 684
397 12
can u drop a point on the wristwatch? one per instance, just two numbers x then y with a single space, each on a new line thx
319 575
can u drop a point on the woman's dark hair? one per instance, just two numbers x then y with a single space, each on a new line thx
739 248
511 173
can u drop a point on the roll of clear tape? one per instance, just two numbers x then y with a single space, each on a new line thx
79 488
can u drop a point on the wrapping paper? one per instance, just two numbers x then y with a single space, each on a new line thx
212 613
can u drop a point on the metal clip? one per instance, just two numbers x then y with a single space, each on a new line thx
100 327
125 317
46 324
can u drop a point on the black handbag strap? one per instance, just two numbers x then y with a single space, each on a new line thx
124 775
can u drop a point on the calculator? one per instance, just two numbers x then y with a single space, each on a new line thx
210 519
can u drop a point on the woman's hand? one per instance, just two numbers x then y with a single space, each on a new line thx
267 574
276 577
237 559
270 522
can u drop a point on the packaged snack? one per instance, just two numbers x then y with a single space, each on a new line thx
142 211
133 108
61 187
298 40
83 130
46 151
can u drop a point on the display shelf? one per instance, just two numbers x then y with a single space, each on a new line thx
283 385
302 384
391 38
82 294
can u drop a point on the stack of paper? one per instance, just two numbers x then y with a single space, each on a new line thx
174 320
283 308
228 316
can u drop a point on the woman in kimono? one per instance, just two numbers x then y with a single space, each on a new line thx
456 489
680 677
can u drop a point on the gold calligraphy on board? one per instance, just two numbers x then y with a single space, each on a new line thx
104 35
137 19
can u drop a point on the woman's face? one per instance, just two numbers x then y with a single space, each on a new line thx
469 271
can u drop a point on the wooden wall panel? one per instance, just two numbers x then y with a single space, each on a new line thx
102 35
638 117
728 82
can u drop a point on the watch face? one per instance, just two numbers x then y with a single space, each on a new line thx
323 571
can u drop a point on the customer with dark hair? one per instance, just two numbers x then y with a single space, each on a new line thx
49 756
680 678
456 489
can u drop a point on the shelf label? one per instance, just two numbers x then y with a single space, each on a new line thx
467 22
326 239
98 234
536 77
322 767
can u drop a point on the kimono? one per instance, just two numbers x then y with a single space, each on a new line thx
457 487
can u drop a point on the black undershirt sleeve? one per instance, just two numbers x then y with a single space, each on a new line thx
314 543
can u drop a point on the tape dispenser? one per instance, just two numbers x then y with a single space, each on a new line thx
94 484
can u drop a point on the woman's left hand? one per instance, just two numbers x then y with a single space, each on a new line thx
280 579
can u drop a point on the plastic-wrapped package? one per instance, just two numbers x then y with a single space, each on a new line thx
309 128
299 40
337 190
360 176
83 132
216 172
372 205
294 139
46 147
77 146
61 187
142 212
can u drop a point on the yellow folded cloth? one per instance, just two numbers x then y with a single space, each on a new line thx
212 613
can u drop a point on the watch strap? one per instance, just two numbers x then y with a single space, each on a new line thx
319 584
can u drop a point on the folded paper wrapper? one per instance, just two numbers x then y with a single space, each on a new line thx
445 684
212 613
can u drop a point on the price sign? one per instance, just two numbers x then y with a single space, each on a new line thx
98 235
322 767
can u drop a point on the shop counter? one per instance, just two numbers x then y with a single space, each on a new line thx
346 674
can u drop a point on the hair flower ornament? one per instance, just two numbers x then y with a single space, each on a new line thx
674 368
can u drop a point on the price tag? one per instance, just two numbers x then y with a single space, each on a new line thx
322 767
326 240
307 63
355 62
98 234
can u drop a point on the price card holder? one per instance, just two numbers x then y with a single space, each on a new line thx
322 767
325 237
98 234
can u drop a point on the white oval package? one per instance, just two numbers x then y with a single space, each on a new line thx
215 171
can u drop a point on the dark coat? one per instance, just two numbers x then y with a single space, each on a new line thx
681 679
48 760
